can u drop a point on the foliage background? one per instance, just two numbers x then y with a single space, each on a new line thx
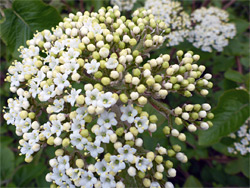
210 165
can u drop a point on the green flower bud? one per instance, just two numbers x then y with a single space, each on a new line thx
141 174
50 141
123 98
105 81
165 64
130 143
173 79
32 115
159 159
171 153
169 164
122 45
116 38
191 80
81 46
153 118
65 142
178 121
179 53
187 94
107 157
88 118
141 88
146 66
132 42
98 86
135 53
119 68
210 115
197 107
194 115
136 72
166 130
23 114
98 74
84 133
53 185
134 131
176 86
79 163
158 78
177 148
210 123
96 55
210 85
150 81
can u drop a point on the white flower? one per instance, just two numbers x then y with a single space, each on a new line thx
111 63
108 181
103 134
141 123
56 127
107 119
116 163
102 168
143 164
73 96
127 153
94 148
78 141
61 81
106 100
92 97
128 113
92 67
87 179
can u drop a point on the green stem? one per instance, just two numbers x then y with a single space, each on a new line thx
160 107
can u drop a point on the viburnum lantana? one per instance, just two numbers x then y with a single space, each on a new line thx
171 12
210 29
241 139
82 88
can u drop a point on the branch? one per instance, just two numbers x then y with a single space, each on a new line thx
229 4
67 5
205 3
81 6
237 59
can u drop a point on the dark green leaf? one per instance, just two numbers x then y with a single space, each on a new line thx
23 19
231 112
234 76
7 162
245 61
192 182
27 173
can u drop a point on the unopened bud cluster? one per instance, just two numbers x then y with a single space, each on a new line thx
82 88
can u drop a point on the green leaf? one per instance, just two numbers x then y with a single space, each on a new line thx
6 140
27 173
234 76
245 61
241 25
239 165
192 182
23 19
7 162
231 112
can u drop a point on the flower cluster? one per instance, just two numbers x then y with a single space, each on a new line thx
126 5
242 140
171 12
211 29
83 86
